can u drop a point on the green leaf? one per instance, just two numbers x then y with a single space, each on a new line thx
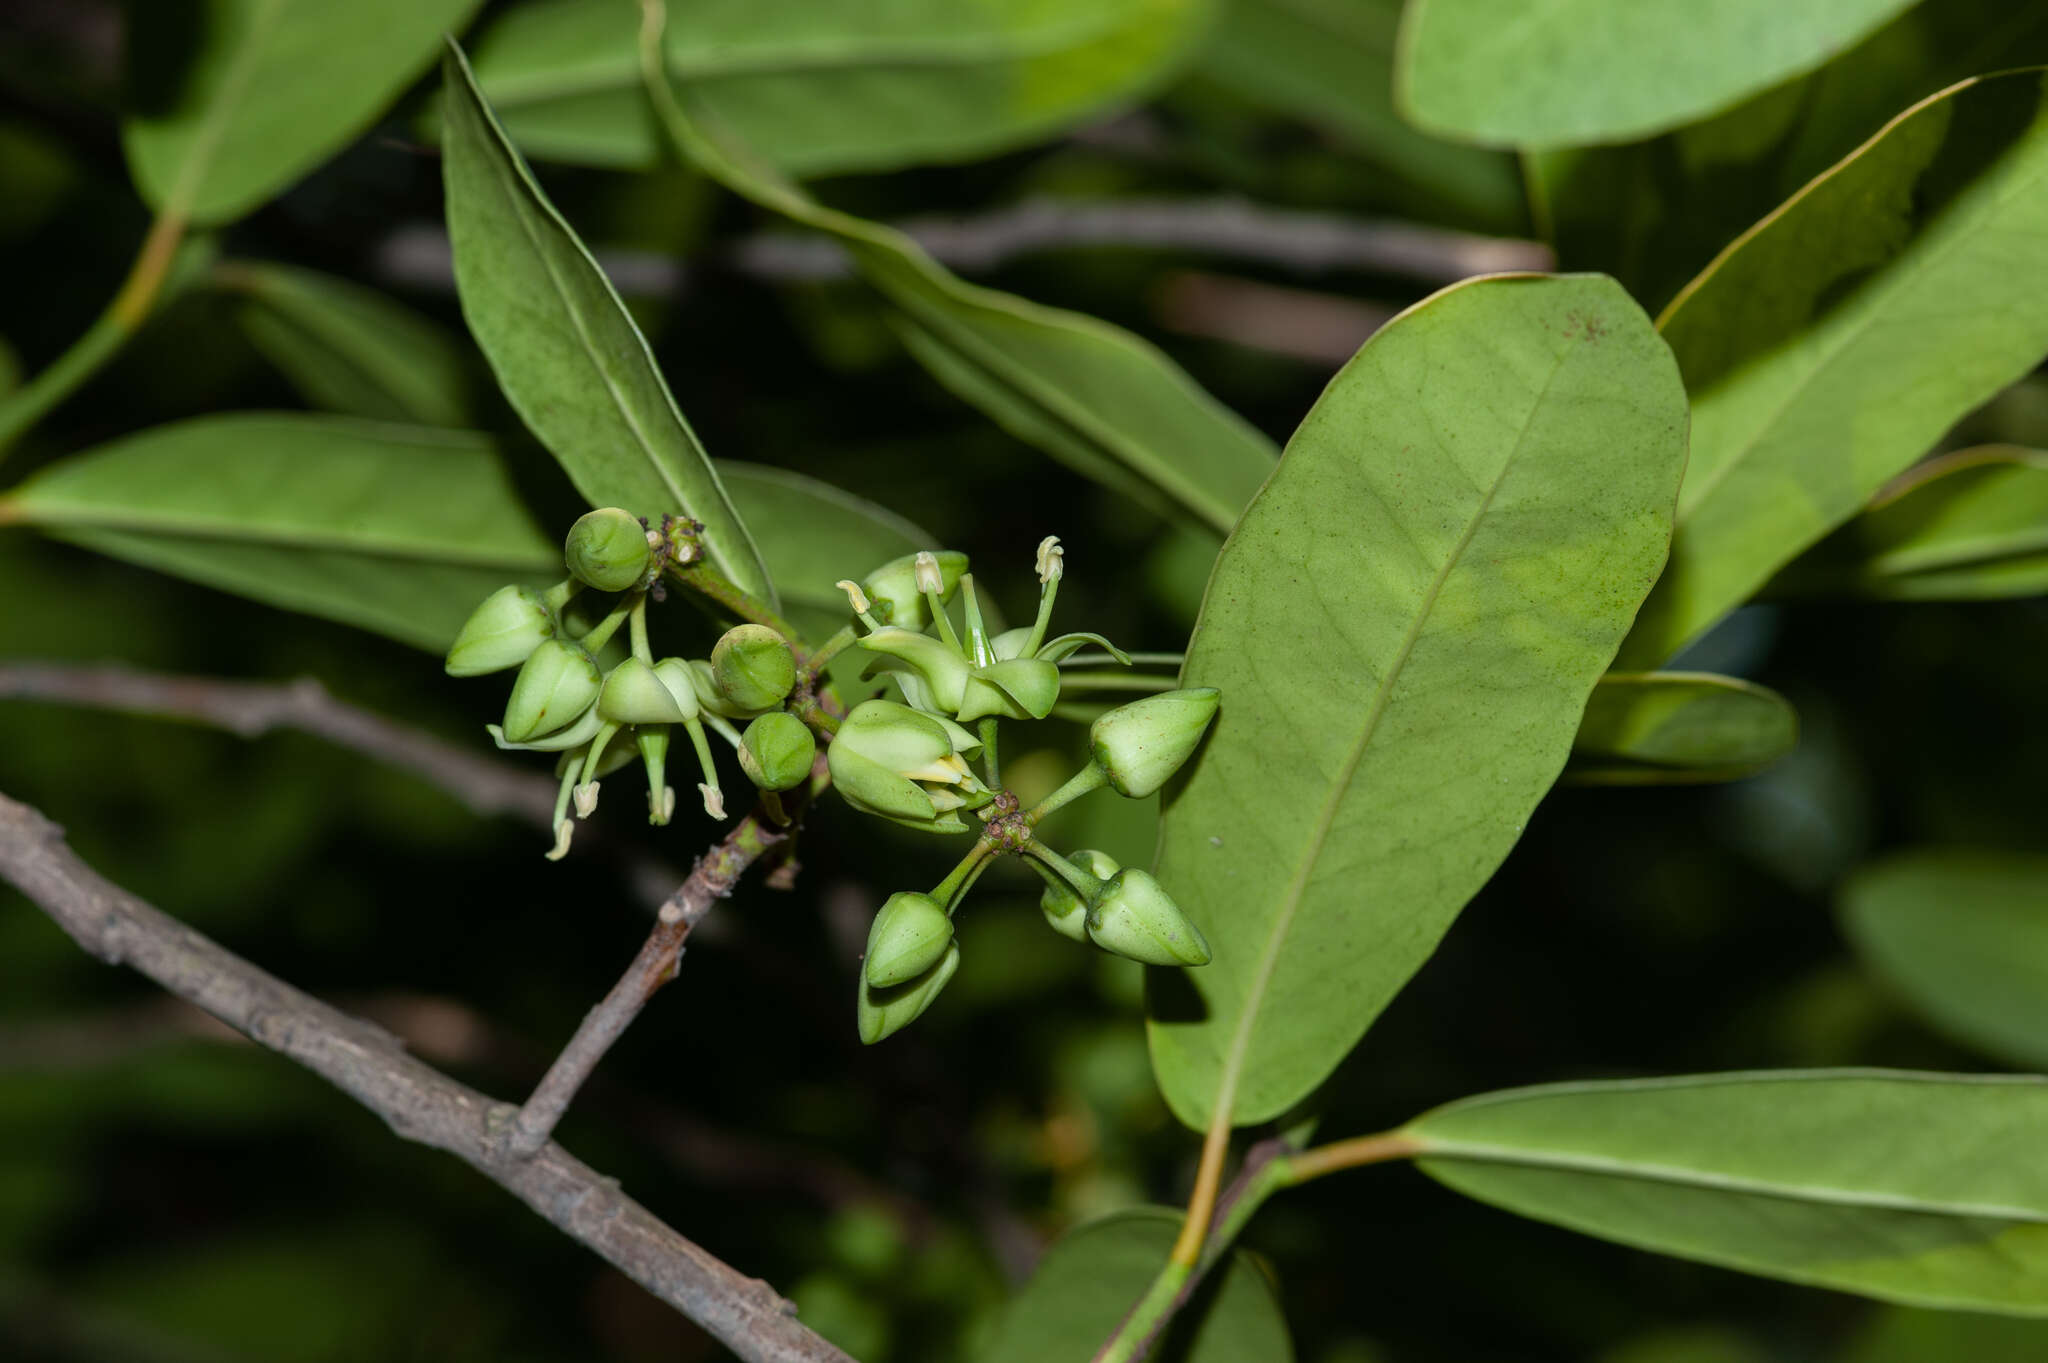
1678 728
1832 345
401 530
812 534
349 349
562 345
819 87
1919 1188
1513 74
1967 526
1405 627
264 91
1087 1281
1331 63
1964 936
1088 393
1655 213
1906 1335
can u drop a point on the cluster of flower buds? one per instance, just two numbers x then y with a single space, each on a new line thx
580 694
910 761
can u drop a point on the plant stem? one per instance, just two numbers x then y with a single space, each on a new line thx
962 876
638 622
990 763
1151 683
1083 884
600 634
714 586
123 317
830 649
1080 783
1152 1312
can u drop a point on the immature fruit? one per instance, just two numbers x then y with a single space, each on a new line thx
1141 744
502 632
1135 917
1065 911
777 750
909 935
753 668
554 687
881 1012
607 549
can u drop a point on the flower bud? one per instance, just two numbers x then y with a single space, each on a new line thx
1065 911
753 668
502 632
1134 917
607 549
777 750
881 1012
1141 744
680 678
902 764
907 938
634 693
1018 688
554 687
895 585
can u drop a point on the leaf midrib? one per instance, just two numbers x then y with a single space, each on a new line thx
1479 1152
1297 889
190 527
192 176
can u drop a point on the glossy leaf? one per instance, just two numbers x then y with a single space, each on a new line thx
1964 936
1513 74
397 529
812 534
1086 392
1405 627
1967 526
235 99
1331 63
1910 1335
1829 348
819 88
1087 1281
1675 728
1656 213
349 349
569 358
1917 1188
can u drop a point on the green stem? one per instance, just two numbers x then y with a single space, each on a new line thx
601 633
1083 884
958 880
1080 783
990 763
1147 1317
830 649
714 586
637 618
983 653
1116 681
123 317
1045 599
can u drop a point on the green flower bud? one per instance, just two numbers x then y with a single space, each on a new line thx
895 585
634 693
556 684
607 549
753 668
573 735
1065 911
1134 917
680 677
1019 688
777 750
902 764
503 632
945 672
1141 744
881 1012
908 937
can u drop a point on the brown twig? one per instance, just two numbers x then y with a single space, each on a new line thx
711 880
485 785
418 1102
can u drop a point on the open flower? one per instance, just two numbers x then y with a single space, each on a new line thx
907 766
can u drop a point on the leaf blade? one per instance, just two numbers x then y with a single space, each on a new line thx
275 87
1803 402
820 89
1906 1187
567 355
1659 728
1506 452
1504 73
